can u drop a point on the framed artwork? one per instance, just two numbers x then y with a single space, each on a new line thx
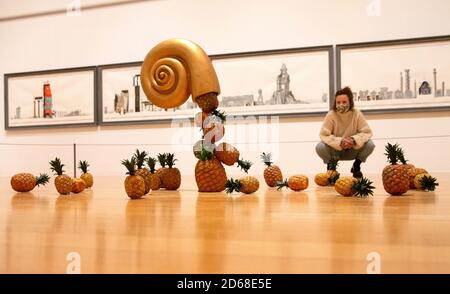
297 81
53 98
398 75
122 100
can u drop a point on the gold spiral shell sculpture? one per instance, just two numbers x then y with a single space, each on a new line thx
175 69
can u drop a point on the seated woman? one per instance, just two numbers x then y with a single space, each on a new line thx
345 133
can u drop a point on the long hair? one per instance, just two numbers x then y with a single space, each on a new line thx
345 91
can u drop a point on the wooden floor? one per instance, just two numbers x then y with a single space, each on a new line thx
314 231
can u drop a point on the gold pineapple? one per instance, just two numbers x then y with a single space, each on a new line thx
63 183
134 184
350 186
86 176
395 177
171 178
141 157
272 173
210 174
25 182
247 185
155 181
295 183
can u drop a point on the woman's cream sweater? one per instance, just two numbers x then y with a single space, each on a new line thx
337 126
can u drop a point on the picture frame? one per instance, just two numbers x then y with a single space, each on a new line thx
406 75
283 82
120 91
51 98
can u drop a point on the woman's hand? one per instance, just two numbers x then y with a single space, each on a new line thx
347 143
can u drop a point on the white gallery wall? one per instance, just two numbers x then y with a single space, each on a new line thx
125 33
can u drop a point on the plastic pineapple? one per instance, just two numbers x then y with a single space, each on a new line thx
171 178
134 184
272 173
395 177
140 158
210 174
295 183
155 181
86 176
25 182
425 182
350 186
63 183
247 185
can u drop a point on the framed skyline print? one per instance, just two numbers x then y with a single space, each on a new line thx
52 98
398 75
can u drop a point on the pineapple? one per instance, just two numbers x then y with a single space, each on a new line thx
155 181
247 185
295 183
207 102
134 184
425 182
198 147
162 161
142 171
63 183
395 179
210 174
350 186
78 185
227 154
412 173
86 176
272 173
25 182
330 177
171 177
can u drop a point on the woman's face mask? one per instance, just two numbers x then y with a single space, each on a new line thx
342 108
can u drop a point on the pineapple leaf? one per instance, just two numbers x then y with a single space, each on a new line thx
140 158
83 165
205 154
363 188
281 184
332 180
162 159
130 165
42 179
391 153
56 166
244 165
428 183
220 114
232 185
151 161
170 159
267 158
